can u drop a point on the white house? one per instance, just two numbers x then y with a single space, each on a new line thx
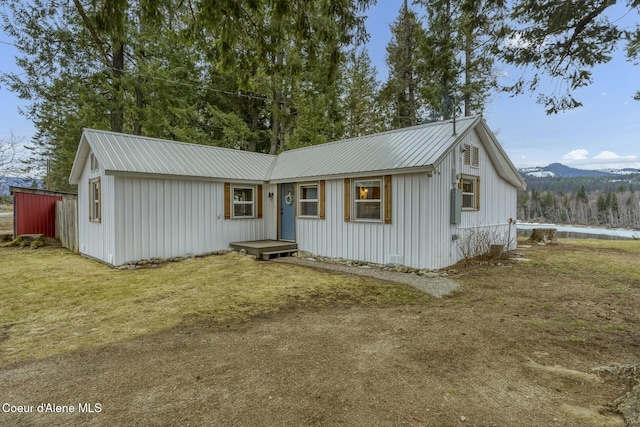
408 196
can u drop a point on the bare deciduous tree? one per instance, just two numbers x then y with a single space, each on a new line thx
8 152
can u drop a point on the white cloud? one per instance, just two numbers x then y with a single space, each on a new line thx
604 160
610 155
580 154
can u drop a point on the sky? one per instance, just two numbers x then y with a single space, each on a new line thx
603 133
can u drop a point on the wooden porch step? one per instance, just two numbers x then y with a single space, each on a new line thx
265 249
266 256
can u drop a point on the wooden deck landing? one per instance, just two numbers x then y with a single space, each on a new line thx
266 249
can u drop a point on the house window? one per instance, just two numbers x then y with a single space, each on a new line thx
243 202
94 200
470 186
367 199
308 200
471 155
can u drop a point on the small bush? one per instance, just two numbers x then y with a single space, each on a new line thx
484 245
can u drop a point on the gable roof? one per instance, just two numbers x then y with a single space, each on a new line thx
130 154
413 149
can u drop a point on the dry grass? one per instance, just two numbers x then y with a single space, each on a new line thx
576 292
54 301
593 260
6 223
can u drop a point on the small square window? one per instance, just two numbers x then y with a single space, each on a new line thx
308 200
243 202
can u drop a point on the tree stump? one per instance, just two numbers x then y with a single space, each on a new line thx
544 235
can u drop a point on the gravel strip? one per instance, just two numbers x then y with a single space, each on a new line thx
435 286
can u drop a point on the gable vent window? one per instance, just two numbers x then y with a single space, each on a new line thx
471 155
95 166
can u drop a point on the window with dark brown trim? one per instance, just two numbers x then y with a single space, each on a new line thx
470 186
371 201
242 201
308 200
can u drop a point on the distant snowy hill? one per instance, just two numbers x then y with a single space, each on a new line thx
625 171
562 171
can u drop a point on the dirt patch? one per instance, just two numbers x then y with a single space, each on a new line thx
516 345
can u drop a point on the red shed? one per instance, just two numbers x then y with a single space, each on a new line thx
34 210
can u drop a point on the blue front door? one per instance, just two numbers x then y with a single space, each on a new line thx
287 212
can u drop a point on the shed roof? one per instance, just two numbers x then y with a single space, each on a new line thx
131 154
413 149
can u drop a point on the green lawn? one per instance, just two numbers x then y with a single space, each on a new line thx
54 301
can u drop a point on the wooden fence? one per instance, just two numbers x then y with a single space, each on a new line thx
67 223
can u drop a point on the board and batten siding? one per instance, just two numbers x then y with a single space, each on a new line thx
96 239
167 218
498 200
372 242
421 233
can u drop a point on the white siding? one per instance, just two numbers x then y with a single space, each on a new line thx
497 199
421 232
371 242
96 239
167 218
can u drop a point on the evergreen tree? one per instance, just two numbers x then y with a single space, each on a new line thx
441 67
478 28
457 58
564 40
110 65
270 44
360 105
582 195
401 92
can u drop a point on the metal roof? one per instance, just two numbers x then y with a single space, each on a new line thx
131 154
418 148
415 147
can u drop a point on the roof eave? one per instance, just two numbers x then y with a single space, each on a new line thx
361 174
110 172
79 161
514 178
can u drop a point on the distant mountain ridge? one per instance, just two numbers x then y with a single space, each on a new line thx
562 171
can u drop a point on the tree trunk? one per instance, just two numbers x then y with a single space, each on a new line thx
117 110
544 235
468 58
408 34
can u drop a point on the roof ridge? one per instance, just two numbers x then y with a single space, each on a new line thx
388 132
169 141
